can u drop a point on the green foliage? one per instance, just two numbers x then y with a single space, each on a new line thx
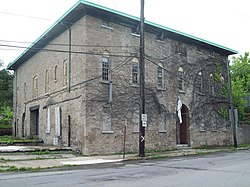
6 97
223 112
6 116
240 70
6 88
240 77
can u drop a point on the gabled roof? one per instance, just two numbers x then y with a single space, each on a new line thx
84 7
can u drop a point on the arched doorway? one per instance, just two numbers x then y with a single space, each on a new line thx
182 129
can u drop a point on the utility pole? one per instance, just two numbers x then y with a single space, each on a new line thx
232 118
142 85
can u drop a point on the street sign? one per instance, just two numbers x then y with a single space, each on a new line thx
144 119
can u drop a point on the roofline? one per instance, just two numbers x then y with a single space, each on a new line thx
231 51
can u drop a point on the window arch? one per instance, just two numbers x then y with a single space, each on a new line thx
106 66
160 76
135 71
181 78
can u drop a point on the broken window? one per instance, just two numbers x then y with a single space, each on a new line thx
160 76
180 79
135 71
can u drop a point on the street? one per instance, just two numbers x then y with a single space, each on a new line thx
218 170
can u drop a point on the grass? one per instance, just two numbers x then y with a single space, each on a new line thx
9 140
14 168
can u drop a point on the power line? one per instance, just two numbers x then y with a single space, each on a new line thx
66 44
66 51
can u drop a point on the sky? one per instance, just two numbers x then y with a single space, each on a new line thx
224 22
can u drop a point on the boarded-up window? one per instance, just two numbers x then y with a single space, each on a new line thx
106 120
57 121
136 120
48 120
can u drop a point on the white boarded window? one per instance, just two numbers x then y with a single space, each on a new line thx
48 120
106 120
136 120
57 121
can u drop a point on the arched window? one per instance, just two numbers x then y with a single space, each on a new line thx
65 72
55 73
47 81
211 76
181 79
35 86
135 71
105 67
25 91
160 76
199 82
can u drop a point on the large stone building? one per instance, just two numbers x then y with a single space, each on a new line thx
63 93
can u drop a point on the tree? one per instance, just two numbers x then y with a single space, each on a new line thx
240 77
6 87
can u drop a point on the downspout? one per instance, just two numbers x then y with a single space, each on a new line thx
69 62
16 115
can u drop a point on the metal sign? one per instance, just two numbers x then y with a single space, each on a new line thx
144 118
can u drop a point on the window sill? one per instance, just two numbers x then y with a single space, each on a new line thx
162 131
160 41
107 132
202 130
106 27
135 85
182 91
161 89
136 35
104 81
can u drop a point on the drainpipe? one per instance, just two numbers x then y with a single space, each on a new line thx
69 62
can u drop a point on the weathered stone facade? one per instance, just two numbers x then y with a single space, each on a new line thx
72 106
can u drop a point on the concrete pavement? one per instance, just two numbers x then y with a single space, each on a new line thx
29 157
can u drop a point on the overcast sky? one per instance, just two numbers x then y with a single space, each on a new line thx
224 22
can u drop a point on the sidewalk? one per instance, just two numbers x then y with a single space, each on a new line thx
27 157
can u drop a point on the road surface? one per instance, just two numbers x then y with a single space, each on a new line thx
219 170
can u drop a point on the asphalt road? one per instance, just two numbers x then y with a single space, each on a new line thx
220 170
